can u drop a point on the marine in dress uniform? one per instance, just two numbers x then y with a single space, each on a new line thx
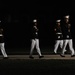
66 28
59 36
2 43
35 40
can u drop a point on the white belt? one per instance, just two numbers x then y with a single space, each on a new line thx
58 33
1 35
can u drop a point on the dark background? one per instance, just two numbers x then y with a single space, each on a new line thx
17 19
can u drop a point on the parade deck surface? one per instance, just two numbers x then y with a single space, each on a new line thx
49 65
48 57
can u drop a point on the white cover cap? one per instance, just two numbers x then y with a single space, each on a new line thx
58 20
34 20
67 16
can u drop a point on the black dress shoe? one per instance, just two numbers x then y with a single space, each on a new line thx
62 55
41 56
31 57
55 53
5 57
72 55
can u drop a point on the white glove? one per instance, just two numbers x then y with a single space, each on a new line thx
58 36
36 33
67 36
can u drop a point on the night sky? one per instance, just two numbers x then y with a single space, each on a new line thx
17 19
